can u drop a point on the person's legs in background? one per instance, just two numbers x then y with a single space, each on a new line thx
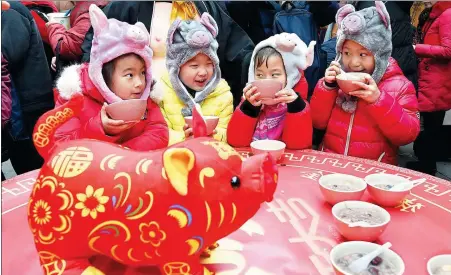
429 143
23 155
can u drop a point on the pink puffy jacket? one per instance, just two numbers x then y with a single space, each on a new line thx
434 85
373 131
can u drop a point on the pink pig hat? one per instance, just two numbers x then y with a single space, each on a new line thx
113 38
296 55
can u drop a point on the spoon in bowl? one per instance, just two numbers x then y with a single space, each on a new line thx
407 185
362 263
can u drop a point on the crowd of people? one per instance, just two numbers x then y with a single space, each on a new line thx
180 55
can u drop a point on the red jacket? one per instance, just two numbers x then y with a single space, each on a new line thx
373 131
297 131
36 9
434 84
73 37
149 134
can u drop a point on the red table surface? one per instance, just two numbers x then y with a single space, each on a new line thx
293 234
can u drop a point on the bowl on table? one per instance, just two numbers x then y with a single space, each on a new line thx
378 185
439 265
348 212
275 147
267 89
340 256
127 110
341 187
345 81
211 121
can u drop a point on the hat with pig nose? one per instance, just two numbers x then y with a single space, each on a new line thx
370 28
186 39
295 54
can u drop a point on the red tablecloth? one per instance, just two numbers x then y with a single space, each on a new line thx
291 235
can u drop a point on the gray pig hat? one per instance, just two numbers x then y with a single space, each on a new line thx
185 40
370 28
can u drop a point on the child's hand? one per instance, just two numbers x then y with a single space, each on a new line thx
53 66
251 95
286 96
332 72
188 131
370 92
114 127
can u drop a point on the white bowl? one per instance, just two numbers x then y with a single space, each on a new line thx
438 261
275 147
347 248
367 233
335 196
384 197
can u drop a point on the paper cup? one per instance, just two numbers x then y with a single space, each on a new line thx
59 17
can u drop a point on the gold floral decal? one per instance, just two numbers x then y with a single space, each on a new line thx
92 202
151 233
50 219
41 212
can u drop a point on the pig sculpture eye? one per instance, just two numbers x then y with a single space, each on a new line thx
235 182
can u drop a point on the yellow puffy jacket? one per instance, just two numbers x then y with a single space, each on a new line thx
218 103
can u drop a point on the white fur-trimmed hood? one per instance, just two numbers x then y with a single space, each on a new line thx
69 84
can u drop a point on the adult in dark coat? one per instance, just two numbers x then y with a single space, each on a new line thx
31 85
402 35
235 46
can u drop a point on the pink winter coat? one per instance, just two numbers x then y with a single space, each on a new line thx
434 84
373 131
73 37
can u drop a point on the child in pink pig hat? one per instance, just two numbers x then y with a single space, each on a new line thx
120 69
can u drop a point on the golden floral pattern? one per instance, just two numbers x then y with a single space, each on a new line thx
41 212
50 220
92 202
151 233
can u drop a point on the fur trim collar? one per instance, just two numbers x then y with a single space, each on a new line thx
71 83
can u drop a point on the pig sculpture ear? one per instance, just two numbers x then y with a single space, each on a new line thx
178 162
343 12
383 13
210 24
98 18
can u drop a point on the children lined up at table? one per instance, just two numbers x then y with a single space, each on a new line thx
371 122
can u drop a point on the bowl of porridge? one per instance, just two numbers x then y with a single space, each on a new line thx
340 187
439 265
379 188
342 255
375 220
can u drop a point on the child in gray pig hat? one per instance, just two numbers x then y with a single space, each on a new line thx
381 114
194 79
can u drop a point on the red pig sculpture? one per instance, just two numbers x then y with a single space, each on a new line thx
161 208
